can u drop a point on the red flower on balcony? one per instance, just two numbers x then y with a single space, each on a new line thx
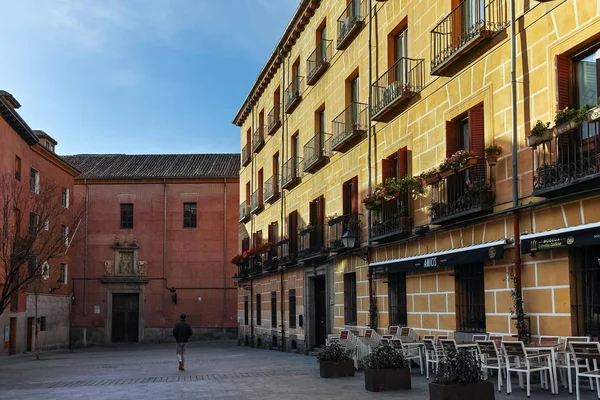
238 259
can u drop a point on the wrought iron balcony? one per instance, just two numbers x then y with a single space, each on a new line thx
311 243
246 155
465 193
344 228
391 220
290 173
256 203
258 139
351 22
244 212
287 252
396 87
351 124
274 119
315 153
470 23
271 190
293 94
318 62
569 163
250 268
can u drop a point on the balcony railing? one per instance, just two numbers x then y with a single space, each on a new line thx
465 193
318 62
293 94
256 203
246 155
315 153
391 220
471 22
352 123
344 227
290 173
271 190
244 212
395 87
350 22
274 119
287 252
258 139
311 243
250 268
569 162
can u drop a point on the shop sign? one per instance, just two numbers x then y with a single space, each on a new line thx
584 237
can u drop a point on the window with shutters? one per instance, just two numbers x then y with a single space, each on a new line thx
34 181
573 154
270 260
344 230
18 168
288 246
311 238
350 305
292 305
392 219
464 190
245 206
271 185
256 200
258 309
274 309
246 313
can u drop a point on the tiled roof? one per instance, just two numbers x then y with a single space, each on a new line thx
146 166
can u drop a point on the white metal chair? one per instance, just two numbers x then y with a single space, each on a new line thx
433 355
479 337
526 364
411 354
447 346
393 330
586 355
566 363
491 359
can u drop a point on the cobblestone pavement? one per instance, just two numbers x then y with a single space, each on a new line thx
214 370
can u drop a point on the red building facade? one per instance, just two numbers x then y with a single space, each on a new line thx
156 241
27 158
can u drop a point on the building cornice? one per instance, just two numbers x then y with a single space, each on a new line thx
55 159
149 181
12 118
301 18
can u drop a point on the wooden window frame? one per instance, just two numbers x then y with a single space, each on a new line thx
127 213
190 216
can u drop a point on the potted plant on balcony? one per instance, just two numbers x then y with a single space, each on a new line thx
305 229
437 209
479 193
464 159
459 376
431 176
569 119
238 259
492 153
386 369
334 219
411 185
447 167
335 361
540 133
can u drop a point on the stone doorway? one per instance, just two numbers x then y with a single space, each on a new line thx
125 317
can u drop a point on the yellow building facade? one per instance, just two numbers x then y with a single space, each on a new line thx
360 93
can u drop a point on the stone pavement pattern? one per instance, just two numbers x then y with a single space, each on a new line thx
214 370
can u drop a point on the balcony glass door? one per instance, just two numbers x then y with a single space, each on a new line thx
295 152
321 141
400 47
587 89
473 16
354 100
323 44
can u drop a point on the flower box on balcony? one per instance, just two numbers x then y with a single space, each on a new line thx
468 163
446 173
593 114
565 128
534 141
433 179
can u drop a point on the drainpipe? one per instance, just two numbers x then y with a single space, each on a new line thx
85 248
224 252
164 249
282 313
369 161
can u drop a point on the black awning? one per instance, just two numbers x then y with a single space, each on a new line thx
463 255
564 238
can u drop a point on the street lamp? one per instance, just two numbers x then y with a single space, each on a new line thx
349 240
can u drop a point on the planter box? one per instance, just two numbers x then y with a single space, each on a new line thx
381 380
534 141
471 162
492 159
564 128
594 114
330 369
433 179
446 173
480 391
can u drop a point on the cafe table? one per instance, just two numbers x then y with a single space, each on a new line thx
552 349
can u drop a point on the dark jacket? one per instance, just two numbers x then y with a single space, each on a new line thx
182 332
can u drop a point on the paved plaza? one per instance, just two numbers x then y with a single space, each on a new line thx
215 370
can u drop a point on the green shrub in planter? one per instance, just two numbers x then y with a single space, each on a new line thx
386 369
459 376
335 361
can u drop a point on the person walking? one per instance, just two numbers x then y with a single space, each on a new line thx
182 332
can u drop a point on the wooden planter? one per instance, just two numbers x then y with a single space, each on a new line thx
446 173
468 163
340 369
432 180
492 159
381 380
594 114
480 391
534 141
565 128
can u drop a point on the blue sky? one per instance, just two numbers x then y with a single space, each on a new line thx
137 76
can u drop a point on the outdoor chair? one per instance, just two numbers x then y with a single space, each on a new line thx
410 354
566 363
491 359
447 345
433 354
479 337
586 356
524 363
